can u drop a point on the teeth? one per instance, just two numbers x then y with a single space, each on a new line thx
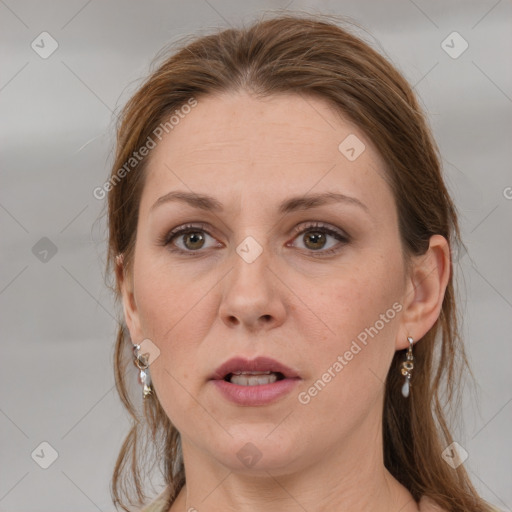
253 378
252 373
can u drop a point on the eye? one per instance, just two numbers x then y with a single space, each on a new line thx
316 238
192 238
188 238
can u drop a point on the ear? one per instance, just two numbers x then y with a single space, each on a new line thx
131 315
426 285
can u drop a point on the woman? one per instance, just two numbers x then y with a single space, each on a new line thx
281 238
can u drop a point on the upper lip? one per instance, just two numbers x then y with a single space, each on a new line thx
259 364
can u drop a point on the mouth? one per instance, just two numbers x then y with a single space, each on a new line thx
256 382
253 372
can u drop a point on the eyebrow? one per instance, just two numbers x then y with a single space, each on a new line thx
209 203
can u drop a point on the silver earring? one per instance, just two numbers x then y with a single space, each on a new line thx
141 362
406 368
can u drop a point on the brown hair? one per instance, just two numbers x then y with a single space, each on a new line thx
308 55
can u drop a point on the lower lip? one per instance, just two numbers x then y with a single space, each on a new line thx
255 395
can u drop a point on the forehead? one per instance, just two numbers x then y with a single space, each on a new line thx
263 148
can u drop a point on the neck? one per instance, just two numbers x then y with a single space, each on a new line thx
350 478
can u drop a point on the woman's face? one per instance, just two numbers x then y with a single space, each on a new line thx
269 267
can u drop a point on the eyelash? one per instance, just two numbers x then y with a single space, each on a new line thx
315 226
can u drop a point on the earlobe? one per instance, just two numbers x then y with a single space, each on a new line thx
427 282
125 284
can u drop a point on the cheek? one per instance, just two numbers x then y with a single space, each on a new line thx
350 364
360 313
164 296
174 313
356 299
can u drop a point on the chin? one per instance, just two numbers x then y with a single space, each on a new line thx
257 450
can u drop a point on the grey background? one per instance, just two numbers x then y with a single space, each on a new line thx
58 319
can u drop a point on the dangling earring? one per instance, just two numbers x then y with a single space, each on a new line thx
141 362
407 367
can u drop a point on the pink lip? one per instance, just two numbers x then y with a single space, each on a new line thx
254 395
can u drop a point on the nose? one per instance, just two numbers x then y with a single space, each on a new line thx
253 296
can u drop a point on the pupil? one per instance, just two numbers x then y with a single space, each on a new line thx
316 237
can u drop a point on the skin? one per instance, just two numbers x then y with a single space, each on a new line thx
291 304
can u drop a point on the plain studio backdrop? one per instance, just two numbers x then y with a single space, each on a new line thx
67 68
